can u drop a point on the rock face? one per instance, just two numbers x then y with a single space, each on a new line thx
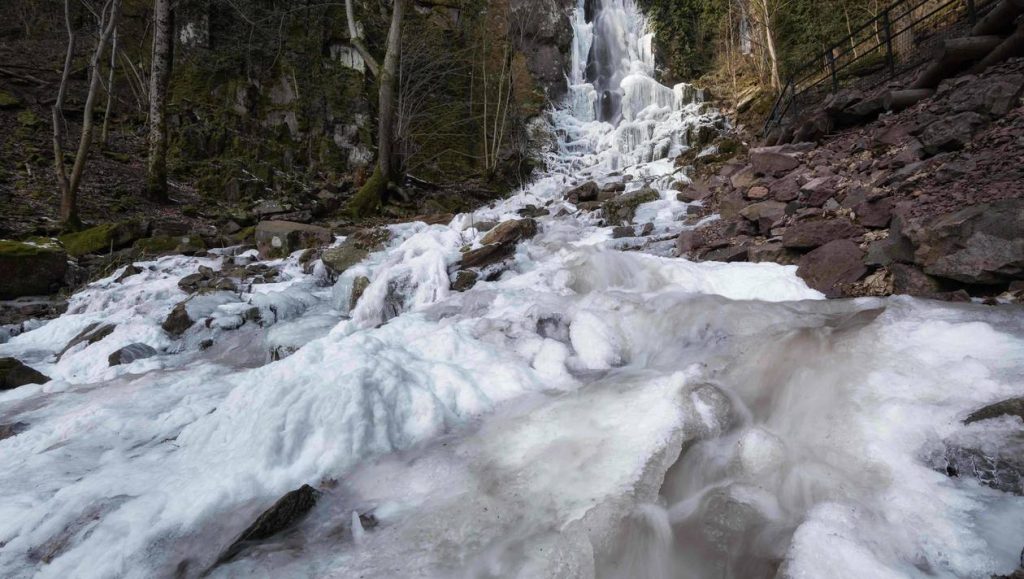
32 268
285 513
837 262
978 245
815 233
13 374
622 209
545 42
130 353
276 239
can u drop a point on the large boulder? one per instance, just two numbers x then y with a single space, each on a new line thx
815 233
178 320
585 192
131 353
768 161
487 255
909 280
622 209
977 245
275 239
92 333
31 268
951 133
764 214
354 249
13 374
103 238
830 266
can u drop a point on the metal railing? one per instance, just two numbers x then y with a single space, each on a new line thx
897 39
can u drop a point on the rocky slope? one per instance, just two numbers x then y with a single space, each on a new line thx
928 201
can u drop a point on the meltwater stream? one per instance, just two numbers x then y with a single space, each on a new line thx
598 409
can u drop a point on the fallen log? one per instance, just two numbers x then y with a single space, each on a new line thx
1000 19
952 56
898 100
1012 46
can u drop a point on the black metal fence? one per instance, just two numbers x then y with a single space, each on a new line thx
897 39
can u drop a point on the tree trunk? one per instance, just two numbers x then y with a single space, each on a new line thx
66 199
105 133
69 206
770 43
163 50
386 96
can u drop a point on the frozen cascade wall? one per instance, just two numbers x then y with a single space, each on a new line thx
617 109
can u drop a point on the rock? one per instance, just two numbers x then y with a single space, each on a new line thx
130 353
585 192
818 190
177 321
129 271
999 465
951 133
785 189
190 283
92 333
487 255
874 214
616 187
282 515
623 231
909 280
831 265
206 344
690 192
757 193
14 374
1010 407
464 280
688 241
772 252
103 238
769 162
512 232
890 250
276 239
168 244
533 211
11 430
977 245
730 254
354 249
730 205
816 233
994 96
764 214
359 286
31 268
743 178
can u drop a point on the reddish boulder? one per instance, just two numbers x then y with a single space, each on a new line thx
830 266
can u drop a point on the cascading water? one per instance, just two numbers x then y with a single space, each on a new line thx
589 410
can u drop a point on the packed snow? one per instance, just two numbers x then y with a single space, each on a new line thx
596 408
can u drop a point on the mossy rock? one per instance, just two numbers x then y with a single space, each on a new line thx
369 199
31 267
245 235
165 244
622 209
102 238
8 101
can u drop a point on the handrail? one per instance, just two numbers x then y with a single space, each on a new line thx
827 64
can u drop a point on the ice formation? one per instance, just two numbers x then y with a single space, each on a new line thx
591 412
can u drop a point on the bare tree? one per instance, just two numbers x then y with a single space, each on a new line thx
105 133
69 184
163 51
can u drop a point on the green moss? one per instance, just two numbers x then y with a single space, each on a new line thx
94 240
8 101
247 234
28 119
367 201
34 246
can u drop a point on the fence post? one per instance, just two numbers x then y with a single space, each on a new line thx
832 69
890 58
972 12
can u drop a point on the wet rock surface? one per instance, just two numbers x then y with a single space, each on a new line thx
13 373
